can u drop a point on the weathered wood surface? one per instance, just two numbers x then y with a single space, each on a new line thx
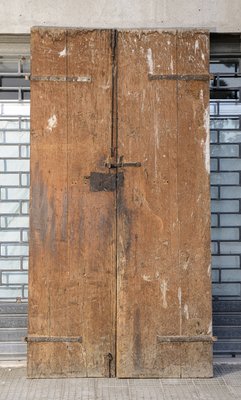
160 287
163 243
72 234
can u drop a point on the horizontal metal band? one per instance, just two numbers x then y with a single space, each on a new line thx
176 77
55 339
185 339
84 79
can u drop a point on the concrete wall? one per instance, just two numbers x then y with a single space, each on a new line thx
17 16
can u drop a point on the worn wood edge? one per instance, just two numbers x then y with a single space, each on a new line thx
55 339
186 339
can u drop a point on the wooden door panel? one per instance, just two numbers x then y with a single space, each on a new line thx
147 94
72 245
163 321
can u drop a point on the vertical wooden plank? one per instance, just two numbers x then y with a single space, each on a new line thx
194 201
92 222
72 234
163 285
48 248
147 222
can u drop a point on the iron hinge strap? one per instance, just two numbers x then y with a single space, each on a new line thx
186 339
83 79
184 77
56 339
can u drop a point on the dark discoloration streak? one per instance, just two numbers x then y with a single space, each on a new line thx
42 211
124 218
137 340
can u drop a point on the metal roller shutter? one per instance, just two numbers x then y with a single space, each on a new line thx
14 194
225 110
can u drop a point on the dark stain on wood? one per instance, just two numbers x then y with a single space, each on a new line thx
137 345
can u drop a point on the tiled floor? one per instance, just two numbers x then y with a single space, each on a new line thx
226 385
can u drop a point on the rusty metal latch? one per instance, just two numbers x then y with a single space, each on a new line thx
109 358
121 164
100 182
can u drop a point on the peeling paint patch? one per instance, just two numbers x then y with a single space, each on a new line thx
52 123
206 119
186 311
171 65
209 270
185 263
63 53
179 295
205 144
150 61
146 278
196 45
210 328
164 290
156 132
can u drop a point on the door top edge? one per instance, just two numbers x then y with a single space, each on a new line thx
64 29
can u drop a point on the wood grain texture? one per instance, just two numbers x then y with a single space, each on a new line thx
163 245
72 234
131 291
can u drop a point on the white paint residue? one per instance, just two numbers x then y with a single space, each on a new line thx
171 64
201 94
196 45
52 123
186 312
63 53
146 278
209 270
205 144
179 295
164 290
203 56
210 328
150 61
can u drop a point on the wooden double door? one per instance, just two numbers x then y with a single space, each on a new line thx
119 280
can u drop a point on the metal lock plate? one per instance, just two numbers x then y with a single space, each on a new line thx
100 182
